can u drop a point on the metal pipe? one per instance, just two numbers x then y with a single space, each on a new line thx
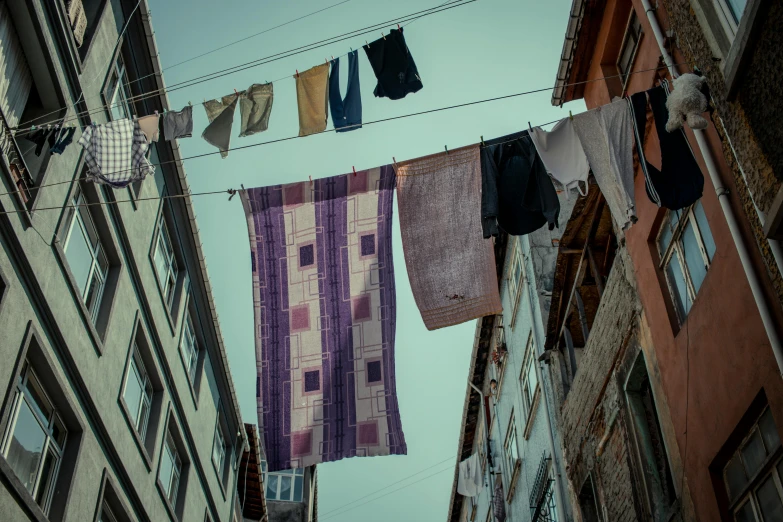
728 212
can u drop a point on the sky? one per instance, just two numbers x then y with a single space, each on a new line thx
484 49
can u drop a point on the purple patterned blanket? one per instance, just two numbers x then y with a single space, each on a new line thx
325 314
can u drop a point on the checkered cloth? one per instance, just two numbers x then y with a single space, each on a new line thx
115 153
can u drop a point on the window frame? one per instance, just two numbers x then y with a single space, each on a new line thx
168 281
118 68
219 436
676 247
511 445
529 404
190 360
625 76
170 450
145 400
294 474
516 278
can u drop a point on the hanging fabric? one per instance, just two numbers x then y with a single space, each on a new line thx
150 126
64 138
451 270
562 154
16 81
221 117
679 182
498 500
255 107
312 98
470 481
606 134
393 64
346 112
517 194
115 153
39 137
325 315
178 124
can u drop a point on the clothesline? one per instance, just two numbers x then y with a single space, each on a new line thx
241 67
375 122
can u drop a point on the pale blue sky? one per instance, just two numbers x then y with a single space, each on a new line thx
481 50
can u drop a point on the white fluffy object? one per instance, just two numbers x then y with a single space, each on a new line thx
687 103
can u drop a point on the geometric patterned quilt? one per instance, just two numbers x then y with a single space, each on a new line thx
325 315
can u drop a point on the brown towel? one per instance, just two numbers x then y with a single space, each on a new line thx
450 266
312 96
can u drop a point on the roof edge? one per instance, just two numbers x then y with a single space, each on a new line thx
576 16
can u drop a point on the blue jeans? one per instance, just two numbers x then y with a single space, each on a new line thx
347 112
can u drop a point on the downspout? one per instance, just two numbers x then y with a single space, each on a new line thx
723 193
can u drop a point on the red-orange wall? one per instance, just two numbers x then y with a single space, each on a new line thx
722 343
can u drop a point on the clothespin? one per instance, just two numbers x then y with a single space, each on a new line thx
235 92
384 36
365 43
190 104
394 160
529 127
351 48
32 127
446 149
482 142
297 73
354 171
311 180
399 28
570 115
232 193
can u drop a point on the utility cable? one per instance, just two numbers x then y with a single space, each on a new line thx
534 91
248 65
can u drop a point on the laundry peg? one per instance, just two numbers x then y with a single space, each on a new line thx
446 149
297 73
190 104
311 180
530 128
570 115
354 171
399 28
365 43
482 142
394 160
384 36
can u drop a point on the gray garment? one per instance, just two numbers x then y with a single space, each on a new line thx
255 107
607 139
221 117
178 124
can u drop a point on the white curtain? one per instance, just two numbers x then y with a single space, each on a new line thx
16 81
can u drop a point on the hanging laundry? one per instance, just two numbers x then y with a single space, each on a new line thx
606 134
470 481
346 112
325 315
394 67
150 126
498 500
221 116
517 195
312 98
562 154
39 137
115 153
65 137
451 270
178 124
255 107
679 182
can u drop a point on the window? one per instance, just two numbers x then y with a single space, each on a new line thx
106 514
165 262
528 379
117 92
170 469
753 477
588 502
188 347
510 448
85 254
633 34
650 446
499 357
35 439
285 485
686 247
516 277
730 13
218 449
138 393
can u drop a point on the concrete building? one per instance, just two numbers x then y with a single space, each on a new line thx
512 423
283 496
116 400
674 406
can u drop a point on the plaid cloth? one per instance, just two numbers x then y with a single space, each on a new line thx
115 153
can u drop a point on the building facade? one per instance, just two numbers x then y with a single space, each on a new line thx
675 409
511 424
116 400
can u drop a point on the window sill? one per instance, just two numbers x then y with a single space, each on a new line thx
27 503
512 485
532 415
136 437
741 50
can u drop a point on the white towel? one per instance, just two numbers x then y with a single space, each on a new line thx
470 477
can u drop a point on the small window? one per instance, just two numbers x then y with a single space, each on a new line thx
753 483
528 380
686 248
138 393
633 35
499 357
516 276
730 13
218 449
189 348
510 447
85 254
165 262
35 439
170 469
106 514
117 92
588 502
285 485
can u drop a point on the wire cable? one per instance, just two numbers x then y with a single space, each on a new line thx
245 66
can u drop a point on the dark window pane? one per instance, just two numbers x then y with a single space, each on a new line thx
735 477
677 282
770 503
769 431
737 8
133 392
46 479
298 485
693 257
285 488
745 513
79 257
24 452
704 229
271 487
753 453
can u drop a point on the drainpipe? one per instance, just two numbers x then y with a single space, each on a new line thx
731 219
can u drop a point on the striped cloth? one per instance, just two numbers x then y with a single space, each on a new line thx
325 315
450 266
115 153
